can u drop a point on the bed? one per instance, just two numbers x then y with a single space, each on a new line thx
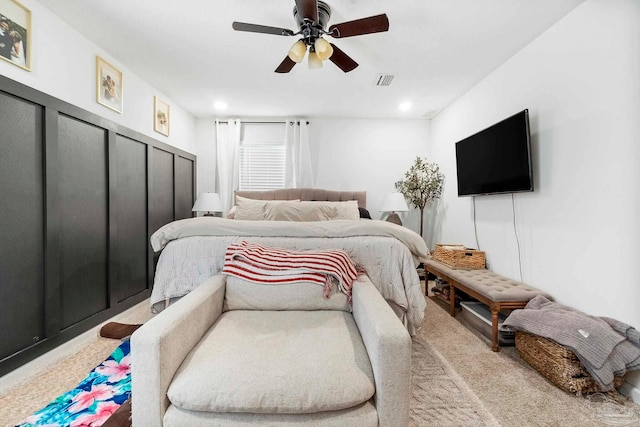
194 249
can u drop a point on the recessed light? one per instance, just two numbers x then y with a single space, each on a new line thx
405 106
219 105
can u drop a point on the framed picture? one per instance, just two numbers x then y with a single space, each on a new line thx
161 116
15 33
108 85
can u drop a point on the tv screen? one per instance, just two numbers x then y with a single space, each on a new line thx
497 159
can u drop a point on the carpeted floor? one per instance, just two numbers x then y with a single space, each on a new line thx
457 381
439 396
513 392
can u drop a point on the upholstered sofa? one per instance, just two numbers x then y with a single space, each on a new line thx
231 353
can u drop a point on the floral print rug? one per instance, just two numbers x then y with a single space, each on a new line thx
94 400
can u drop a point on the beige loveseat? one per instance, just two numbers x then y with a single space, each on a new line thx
232 353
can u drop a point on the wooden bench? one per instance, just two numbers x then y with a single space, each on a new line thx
497 292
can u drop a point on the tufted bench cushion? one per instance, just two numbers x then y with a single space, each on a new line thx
496 291
491 285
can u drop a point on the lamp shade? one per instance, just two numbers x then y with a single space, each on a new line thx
297 51
394 202
314 60
208 202
323 48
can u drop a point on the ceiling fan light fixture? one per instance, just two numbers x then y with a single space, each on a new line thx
314 60
323 48
297 51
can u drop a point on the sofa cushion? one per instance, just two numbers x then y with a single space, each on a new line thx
282 362
364 415
245 295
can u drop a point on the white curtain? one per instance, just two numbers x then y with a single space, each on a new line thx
298 171
227 163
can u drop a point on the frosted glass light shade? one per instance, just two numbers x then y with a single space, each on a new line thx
323 48
394 202
314 61
208 202
297 51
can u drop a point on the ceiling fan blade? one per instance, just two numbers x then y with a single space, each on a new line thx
308 9
254 28
372 24
342 60
286 65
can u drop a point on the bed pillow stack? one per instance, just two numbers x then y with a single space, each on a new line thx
300 211
294 210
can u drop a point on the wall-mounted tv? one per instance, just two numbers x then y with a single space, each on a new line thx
496 159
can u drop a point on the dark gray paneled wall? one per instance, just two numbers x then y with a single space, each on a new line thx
82 194
21 224
162 194
183 187
130 208
79 198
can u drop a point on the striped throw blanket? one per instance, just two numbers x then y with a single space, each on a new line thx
267 265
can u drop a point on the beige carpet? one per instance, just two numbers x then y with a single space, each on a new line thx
457 381
439 396
513 392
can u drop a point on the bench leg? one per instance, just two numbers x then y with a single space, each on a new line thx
452 300
495 344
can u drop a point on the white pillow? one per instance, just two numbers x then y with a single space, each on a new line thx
300 211
232 212
249 209
346 210
254 210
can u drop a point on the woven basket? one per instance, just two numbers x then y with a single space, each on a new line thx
457 256
558 364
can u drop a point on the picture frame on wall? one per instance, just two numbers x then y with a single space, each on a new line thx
161 116
15 34
108 85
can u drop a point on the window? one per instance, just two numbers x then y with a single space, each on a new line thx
262 156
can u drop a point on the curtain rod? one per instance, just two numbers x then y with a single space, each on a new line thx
262 123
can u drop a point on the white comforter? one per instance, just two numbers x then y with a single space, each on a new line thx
194 250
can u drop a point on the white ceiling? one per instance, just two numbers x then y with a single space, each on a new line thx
436 49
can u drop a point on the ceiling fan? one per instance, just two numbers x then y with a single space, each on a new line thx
312 17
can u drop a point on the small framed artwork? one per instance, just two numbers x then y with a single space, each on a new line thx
15 34
161 116
108 85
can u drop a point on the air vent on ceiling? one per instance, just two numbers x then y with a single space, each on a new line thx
430 114
384 79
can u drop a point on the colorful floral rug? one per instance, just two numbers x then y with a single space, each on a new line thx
94 400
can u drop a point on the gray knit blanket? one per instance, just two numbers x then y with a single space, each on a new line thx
606 347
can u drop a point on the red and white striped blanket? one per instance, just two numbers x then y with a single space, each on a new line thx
268 265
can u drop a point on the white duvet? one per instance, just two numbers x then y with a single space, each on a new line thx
194 250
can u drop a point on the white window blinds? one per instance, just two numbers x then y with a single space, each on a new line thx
262 156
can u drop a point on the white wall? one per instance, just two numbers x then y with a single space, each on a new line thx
63 65
578 230
206 152
367 154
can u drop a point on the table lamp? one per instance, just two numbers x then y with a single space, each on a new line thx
394 202
209 203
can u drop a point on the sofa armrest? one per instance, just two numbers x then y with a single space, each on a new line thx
389 347
159 347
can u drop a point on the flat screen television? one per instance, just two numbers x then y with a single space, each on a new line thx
497 159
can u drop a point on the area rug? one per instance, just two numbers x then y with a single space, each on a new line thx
94 400
440 395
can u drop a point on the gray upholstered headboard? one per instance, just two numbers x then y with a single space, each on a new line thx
308 194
